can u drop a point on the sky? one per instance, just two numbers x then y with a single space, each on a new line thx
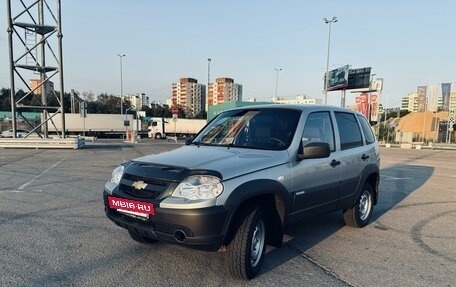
408 43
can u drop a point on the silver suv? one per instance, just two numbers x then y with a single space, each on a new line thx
245 177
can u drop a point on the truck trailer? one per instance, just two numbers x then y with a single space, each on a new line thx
159 128
99 125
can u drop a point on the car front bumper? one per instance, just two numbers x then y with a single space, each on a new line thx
202 228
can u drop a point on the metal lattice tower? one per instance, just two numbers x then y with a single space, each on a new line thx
34 33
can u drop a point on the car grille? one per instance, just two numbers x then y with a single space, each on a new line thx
143 186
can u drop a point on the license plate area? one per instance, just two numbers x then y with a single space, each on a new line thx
133 208
138 215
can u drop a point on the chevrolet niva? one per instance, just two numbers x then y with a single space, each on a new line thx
246 176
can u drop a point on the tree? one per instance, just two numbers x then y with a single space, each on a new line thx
5 100
88 96
201 115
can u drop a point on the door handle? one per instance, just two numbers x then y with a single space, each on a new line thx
334 163
364 157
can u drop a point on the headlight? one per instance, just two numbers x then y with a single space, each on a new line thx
117 174
199 187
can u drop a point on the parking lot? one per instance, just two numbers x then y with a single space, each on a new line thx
53 231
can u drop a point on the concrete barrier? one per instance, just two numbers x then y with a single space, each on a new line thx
406 146
37 143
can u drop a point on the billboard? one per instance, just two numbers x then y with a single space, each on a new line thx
362 103
421 91
368 103
359 78
446 90
374 104
432 96
337 79
376 85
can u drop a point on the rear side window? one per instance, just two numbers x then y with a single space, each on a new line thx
349 132
368 134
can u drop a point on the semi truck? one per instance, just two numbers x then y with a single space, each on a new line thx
159 128
99 125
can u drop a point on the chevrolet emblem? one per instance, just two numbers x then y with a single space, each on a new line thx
139 185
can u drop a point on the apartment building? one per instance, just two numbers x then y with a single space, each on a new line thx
415 103
48 86
224 90
138 100
410 102
189 95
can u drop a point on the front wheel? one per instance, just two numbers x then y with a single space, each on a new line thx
360 214
245 254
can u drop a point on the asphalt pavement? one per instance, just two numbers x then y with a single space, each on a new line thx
53 231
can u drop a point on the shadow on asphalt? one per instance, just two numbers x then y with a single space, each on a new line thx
396 184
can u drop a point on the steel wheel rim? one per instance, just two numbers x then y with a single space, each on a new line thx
365 204
256 247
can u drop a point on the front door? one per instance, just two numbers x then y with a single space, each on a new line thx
316 182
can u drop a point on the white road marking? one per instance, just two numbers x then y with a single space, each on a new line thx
394 178
21 188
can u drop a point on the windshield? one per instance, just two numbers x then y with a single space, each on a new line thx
267 128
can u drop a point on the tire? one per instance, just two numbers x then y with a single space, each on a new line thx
245 253
141 239
158 136
360 214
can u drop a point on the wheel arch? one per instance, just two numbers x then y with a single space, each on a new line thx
268 194
371 175
373 179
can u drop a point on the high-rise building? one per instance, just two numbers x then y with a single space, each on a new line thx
138 100
410 103
188 95
429 98
452 104
224 90
405 103
48 86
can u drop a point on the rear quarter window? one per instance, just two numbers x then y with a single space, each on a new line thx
367 130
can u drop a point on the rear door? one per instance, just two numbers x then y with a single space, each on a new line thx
353 155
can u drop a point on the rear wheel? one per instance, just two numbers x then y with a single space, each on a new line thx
360 214
245 254
139 238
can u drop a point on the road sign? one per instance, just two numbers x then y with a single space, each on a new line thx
451 113
174 111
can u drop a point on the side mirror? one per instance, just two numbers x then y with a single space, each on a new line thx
189 141
314 150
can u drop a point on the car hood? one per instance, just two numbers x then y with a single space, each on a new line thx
229 162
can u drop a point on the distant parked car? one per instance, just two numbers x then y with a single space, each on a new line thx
19 133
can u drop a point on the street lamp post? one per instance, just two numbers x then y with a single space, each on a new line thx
277 80
121 83
333 20
206 100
